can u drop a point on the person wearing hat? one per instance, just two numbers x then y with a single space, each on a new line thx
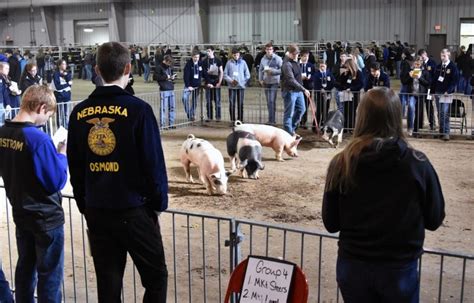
236 74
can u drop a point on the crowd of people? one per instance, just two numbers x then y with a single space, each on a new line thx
118 173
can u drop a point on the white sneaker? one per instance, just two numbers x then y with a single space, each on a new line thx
410 132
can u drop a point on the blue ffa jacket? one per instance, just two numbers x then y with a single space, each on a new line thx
114 151
5 93
192 74
323 80
34 173
372 82
346 81
62 88
430 66
450 77
308 69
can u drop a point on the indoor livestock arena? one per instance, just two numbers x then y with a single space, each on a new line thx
236 151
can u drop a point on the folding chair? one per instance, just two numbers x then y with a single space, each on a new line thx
300 285
458 111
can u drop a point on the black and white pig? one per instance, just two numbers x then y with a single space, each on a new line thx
333 127
243 148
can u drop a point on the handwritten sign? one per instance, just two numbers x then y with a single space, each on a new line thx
267 281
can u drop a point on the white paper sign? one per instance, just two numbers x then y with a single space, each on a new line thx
345 96
267 281
59 136
446 99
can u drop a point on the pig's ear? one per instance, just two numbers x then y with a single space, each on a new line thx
237 123
228 173
260 165
244 163
297 141
191 136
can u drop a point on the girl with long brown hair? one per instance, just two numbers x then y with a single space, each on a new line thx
349 83
381 195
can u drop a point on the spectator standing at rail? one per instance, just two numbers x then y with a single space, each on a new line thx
323 83
410 81
88 62
293 91
237 75
49 66
380 240
9 90
338 70
405 67
61 85
377 77
430 65
34 172
330 56
307 75
119 179
213 73
192 77
165 78
443 85
349 83
465 65
269 74
30 77
15 68
421 82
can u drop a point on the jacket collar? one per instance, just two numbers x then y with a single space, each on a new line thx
108 90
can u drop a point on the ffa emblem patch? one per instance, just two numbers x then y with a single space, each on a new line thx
101 139
448 71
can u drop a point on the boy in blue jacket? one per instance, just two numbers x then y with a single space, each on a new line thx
192 76
444 82
119 179
307 75
34 172
236 74
323 84
377 77
62 82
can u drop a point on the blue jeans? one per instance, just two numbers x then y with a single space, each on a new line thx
339 104
294 110
271 94
62 114
40 263
88 69
213 94
398 65
167 103
2 114
368 282
411 111
5 291
464 85
72 66
236 98
146 71
443 116
403 98
190 108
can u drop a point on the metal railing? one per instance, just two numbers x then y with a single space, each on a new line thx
202 250
417 109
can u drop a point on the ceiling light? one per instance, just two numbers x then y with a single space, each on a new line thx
88 30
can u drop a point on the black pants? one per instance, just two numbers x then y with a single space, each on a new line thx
419 113
350 109
429 112
114 233
322 107
236 98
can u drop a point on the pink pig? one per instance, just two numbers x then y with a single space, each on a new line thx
209 161
273 137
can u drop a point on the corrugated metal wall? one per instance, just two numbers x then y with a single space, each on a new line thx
164 21
174 21
17 26
361 20
447 13
251 20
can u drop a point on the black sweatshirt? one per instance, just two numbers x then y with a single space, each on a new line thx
397 196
